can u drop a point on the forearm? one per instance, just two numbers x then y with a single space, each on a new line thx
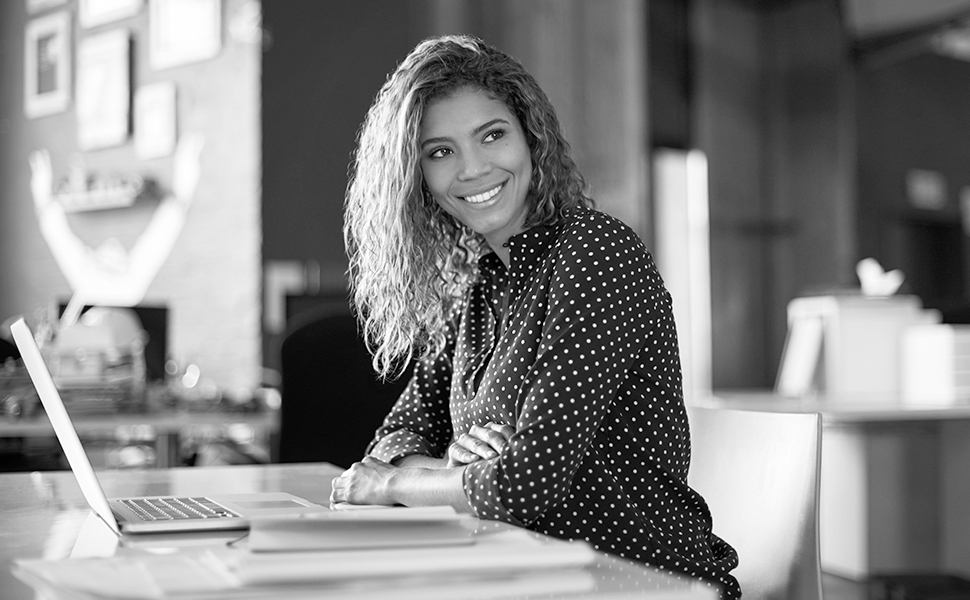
429 487
420 461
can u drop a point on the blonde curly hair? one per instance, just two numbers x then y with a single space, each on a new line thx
410 261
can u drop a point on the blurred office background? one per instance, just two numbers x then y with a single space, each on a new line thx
830 131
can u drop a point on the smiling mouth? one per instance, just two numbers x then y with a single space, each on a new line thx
484 196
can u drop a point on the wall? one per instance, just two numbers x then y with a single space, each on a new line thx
321 71
772 109
211 280
320 75
913 114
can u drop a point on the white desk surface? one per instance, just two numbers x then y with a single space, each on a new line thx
42 515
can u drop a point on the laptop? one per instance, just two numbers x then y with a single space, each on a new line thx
146 514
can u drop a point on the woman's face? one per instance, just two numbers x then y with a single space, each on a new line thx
476 163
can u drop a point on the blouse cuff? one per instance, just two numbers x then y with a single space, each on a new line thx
398 444
483 490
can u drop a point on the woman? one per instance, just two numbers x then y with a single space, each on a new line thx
547 387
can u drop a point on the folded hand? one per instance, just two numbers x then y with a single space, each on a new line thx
481 442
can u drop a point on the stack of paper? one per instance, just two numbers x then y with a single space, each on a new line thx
323 555
498 552
349 530
935 364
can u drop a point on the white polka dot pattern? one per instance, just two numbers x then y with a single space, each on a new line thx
575 346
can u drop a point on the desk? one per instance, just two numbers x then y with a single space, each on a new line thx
168 425
41 515
895 483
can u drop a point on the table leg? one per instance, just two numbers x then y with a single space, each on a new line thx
955 471
167 450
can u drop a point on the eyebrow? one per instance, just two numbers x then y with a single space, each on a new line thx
477 130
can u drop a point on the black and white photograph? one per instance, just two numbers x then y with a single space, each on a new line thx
485 299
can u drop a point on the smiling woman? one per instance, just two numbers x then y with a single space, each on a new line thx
547 389
476 164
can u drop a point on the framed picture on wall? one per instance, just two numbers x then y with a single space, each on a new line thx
47 65
91 13
35 6
155 124
103 89
183 31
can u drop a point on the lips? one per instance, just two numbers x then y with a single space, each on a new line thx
484 196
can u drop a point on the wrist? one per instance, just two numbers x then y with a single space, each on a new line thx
399 482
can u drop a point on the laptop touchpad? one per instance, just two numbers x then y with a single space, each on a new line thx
267 504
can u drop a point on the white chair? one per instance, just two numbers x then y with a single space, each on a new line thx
759 473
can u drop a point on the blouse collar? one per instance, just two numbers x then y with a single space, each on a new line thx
525 248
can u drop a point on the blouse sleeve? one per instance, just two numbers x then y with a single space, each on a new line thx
420 420
606 302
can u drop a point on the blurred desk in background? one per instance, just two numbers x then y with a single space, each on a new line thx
895 482
173 435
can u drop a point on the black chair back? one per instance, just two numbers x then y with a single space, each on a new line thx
332 401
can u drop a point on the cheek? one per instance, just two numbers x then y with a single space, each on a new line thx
435 179
439 200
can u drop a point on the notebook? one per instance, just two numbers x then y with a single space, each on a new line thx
146 514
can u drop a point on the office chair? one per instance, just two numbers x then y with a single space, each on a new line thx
7 350
759 472
332 401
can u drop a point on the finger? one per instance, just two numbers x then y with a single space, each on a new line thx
505 429
494 439
457 455
477 445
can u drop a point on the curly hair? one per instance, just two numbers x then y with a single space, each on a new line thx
410 261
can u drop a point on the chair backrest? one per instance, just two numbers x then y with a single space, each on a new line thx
759 473
332 401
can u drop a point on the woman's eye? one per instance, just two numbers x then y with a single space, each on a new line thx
439 153
494 135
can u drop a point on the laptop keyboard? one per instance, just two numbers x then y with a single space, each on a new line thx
171 509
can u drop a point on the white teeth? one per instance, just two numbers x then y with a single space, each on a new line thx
479 198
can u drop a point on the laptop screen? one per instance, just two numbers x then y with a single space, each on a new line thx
63 427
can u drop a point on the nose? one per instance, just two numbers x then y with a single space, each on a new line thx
474 164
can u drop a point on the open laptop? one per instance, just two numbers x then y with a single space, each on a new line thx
145 514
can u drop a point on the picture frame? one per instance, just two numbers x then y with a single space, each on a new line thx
36 6
47 65
155 120
183 31
103 89
91 13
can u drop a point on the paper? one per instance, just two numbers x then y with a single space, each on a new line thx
497 565
877 282
498 552
132 577
800 357
333 530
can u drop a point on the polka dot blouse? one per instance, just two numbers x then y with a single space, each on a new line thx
573 345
